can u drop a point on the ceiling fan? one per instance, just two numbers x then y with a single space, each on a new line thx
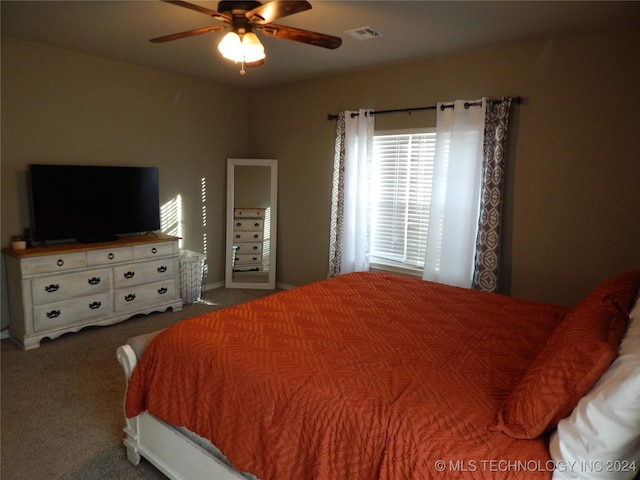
241 44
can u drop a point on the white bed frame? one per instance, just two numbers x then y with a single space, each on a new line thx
175 455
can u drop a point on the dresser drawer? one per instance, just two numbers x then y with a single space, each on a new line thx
69 285
247 236
248 224
70 312
54 263
248 212
151 250
248 260
140 296
248 248
248 268
106 256
143 272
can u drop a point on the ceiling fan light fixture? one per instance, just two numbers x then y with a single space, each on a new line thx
241 48
253 49
230 46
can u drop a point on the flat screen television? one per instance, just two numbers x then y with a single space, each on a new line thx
92 203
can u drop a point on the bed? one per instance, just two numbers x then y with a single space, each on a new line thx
377 376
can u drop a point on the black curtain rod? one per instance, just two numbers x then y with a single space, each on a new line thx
517 100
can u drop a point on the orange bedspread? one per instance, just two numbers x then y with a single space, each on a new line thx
366 376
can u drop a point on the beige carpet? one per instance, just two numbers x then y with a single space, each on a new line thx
61 411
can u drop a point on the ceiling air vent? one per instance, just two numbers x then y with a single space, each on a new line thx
365 33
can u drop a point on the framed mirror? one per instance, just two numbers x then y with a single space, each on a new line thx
252 193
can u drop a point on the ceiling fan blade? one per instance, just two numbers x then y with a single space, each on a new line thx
276 9
198 8
298 35
190 33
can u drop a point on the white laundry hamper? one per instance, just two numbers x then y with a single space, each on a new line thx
192 270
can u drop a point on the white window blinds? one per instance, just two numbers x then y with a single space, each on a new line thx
402 178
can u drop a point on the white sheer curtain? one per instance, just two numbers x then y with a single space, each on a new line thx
350 225
451 241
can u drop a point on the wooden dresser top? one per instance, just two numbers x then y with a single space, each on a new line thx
54 248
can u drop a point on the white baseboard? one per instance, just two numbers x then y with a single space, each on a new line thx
213 286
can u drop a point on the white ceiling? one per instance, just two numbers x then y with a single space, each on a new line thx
412 30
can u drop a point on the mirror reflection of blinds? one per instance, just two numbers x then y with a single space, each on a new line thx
402 182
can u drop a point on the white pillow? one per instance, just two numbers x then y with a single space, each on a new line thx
601 437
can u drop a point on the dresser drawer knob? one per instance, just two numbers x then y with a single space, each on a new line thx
130 298
162 269
238 235
95 305
52 288
60 262
163 290
154 250
129 275
53 314
111 256
94 281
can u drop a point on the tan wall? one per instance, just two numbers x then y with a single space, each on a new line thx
64 107
571 216
252 186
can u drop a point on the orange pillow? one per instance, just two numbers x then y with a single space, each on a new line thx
618 292
579 351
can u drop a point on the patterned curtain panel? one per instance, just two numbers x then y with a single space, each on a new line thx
487 261
350 206
337 201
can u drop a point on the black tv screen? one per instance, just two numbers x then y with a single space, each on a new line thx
93 203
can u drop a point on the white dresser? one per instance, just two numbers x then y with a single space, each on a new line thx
248 239
64 288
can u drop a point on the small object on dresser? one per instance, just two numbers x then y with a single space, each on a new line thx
18 243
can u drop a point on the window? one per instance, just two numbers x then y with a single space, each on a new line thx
402 178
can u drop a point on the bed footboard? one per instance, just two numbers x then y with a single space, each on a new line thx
127 358
175 455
